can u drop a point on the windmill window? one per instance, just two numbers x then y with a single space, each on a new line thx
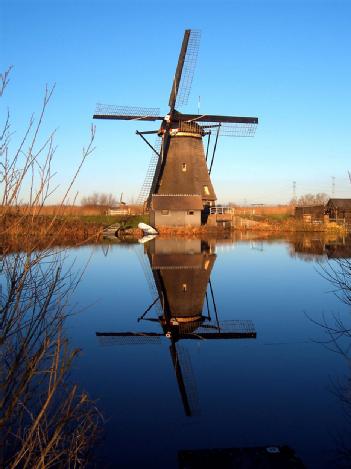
183 167
164 212
184 287
190 212
206 190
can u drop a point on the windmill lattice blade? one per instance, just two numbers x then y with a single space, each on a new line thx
121 338
188 68
150 174
110 111
145 265
240 328
231 129
184 363
209 118
178 72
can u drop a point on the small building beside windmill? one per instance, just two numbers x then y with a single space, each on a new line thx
335 210
310 213
339 210
176 210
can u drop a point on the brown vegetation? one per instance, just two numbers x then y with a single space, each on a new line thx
24 234
66 210
287 226
265 210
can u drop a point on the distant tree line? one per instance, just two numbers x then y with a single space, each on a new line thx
311 199
99 198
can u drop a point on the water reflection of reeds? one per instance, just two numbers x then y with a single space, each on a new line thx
337 329
45 420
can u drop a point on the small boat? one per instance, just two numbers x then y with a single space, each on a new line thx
147 229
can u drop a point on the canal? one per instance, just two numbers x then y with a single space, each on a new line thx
193 344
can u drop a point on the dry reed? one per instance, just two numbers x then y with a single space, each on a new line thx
45 421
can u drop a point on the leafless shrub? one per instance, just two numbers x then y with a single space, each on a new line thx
337 328
29 165
338 274
99 198
313 199
44 420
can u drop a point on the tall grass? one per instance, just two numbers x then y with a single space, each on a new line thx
68 210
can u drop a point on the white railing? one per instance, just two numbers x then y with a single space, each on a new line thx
219 210
118 211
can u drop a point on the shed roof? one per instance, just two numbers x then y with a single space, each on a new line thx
340 203
176 202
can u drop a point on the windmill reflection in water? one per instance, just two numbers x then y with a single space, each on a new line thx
184 306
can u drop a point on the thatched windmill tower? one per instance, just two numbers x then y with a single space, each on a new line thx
178 189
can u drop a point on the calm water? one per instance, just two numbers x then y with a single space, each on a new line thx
245 363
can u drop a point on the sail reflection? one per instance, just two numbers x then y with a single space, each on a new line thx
183 305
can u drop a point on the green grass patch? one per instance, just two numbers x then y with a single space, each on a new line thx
278 217
131 221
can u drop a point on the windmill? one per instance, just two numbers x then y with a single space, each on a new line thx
121 201
185 307
178 180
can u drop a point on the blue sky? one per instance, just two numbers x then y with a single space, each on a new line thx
286 62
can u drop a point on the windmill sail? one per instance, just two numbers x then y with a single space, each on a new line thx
230 126
186 379
128 338
111 111
232 329
185 69
151 174
232 129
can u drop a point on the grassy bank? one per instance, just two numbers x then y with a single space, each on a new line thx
286 225
20 230
103 221
23 232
